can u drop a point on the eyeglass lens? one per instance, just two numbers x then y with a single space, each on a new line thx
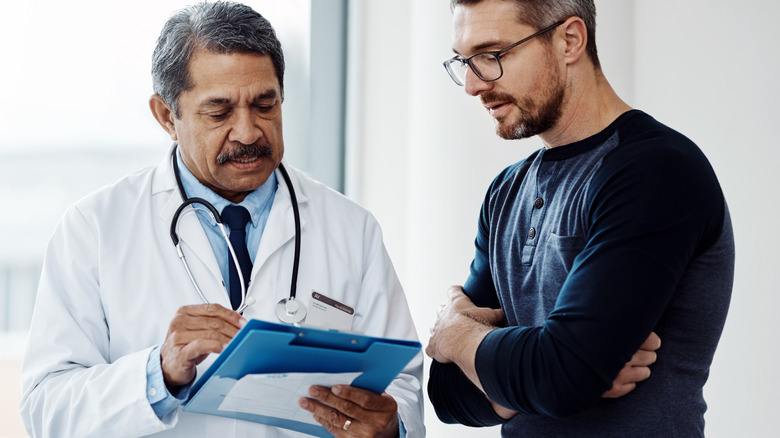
485 65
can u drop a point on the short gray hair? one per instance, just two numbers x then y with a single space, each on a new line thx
221 27
542 13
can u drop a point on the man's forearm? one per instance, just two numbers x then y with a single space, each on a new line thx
460 342
456 400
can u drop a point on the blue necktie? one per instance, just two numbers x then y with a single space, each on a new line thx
236 218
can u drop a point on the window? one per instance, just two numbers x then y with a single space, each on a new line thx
74 116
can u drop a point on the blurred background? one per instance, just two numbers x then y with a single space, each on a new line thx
370 111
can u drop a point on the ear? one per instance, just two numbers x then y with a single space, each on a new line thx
576 39
163 114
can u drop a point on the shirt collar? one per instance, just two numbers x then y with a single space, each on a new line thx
254 202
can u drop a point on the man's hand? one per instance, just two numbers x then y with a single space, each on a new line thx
459 329
347 411
195 332
637 369
459 324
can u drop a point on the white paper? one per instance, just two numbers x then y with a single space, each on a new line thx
276 395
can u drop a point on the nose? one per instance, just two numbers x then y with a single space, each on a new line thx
474 85
245 128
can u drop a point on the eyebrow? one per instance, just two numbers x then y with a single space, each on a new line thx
215 102
270 94
485 46
223 101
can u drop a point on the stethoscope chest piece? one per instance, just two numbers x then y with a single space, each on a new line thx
291 311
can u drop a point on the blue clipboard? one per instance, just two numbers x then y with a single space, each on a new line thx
262 347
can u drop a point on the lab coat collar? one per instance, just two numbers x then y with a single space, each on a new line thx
193 240
279 229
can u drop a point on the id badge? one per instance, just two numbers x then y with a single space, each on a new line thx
329 314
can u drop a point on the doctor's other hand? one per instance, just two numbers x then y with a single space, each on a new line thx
194 333
637 369
347 411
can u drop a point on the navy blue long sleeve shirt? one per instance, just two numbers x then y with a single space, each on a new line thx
588 248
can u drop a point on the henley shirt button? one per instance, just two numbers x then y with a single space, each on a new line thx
532 233
538 203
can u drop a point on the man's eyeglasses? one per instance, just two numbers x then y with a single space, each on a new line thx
486 65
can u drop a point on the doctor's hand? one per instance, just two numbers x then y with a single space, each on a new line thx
347 411
195 332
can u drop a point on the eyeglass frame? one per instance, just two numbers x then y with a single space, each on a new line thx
496 54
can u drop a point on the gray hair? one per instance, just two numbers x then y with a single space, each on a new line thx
542 13
221 27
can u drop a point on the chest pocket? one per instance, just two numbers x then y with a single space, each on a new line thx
558 257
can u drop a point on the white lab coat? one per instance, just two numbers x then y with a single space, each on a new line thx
112 282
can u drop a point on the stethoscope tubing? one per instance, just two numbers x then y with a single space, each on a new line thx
297 220
177 243
186 201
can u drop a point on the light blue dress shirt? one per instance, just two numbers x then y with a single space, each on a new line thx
258 203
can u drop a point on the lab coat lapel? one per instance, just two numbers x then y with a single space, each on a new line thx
195 245
280 228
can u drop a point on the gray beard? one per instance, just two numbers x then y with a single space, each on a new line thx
532 122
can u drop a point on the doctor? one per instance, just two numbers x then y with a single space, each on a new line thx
120 331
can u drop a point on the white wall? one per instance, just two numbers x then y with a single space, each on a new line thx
423 154
711 69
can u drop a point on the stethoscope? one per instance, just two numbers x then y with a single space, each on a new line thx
288 310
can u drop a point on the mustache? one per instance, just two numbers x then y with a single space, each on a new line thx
260 150
493 96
